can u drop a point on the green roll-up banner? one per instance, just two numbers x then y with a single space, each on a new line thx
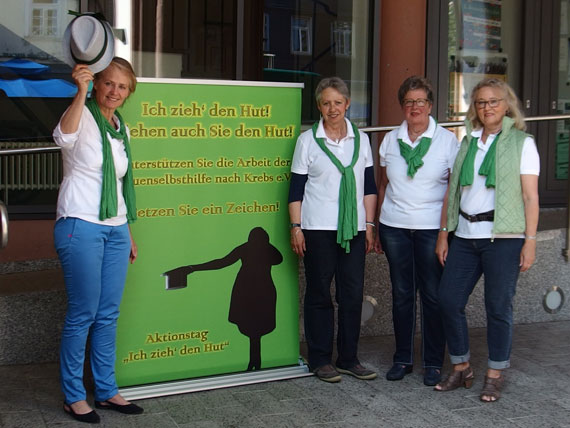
215 287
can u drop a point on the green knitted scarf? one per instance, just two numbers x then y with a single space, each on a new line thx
347 211
109 202
487 168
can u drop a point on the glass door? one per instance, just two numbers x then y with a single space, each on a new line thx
546 91
484 40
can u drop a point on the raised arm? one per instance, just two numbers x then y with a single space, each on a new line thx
71 118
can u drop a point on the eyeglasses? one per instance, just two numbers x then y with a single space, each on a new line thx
493 102
420 102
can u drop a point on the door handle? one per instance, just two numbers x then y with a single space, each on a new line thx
3 225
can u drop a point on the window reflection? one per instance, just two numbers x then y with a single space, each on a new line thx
282 40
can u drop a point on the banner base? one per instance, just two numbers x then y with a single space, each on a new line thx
215 382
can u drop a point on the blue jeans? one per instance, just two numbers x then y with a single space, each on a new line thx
325 260
94 259
414 266
467 260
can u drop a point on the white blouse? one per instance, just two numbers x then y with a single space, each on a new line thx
82 154
319 208
415 203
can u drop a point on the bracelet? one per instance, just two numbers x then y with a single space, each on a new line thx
294 225
531 237
370 223
443 229
297 231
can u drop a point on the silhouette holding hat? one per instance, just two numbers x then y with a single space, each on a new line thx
254 297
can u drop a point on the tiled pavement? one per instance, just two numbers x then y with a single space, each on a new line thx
537 394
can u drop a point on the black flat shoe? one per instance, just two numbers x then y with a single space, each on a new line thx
398 371
91 418
127 409
432 376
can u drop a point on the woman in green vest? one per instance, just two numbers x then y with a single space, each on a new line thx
493 209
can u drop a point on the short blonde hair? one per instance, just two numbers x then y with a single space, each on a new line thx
509 96
124 66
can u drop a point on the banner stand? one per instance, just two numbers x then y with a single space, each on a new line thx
215 382
213 299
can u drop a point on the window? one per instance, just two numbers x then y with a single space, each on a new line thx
301 35
342 38
35 89
44 18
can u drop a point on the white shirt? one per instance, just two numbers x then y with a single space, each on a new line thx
82 154
319 208
477 198
415 203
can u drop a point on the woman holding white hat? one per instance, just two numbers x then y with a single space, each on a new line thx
95 204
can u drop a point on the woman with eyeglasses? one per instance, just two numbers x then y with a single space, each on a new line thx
493 208
415 164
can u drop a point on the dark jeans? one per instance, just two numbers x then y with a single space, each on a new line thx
414 265
325 260
467 260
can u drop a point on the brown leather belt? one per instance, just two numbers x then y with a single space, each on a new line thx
472 218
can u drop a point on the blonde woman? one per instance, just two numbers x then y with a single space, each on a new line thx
493 208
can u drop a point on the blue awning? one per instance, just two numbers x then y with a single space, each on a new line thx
50 88
23 66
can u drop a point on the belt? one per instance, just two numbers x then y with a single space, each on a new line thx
487 216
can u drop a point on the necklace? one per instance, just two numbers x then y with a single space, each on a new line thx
336 134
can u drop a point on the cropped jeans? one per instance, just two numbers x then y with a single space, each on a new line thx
325 260
467 260
94 259
414 266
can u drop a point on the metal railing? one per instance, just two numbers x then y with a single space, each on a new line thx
31 170
456 124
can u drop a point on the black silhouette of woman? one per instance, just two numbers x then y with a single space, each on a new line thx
254 297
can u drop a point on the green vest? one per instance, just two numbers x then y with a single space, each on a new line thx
509 205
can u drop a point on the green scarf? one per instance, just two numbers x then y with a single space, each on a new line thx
109 203
347 212
414 156
487 168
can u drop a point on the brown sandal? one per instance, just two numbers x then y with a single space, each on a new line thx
492 388
456 379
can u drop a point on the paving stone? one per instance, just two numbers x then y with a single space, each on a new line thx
536 394
31 419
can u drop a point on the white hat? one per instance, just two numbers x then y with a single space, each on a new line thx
88 39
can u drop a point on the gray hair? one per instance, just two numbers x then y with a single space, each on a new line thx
412 83
332 82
